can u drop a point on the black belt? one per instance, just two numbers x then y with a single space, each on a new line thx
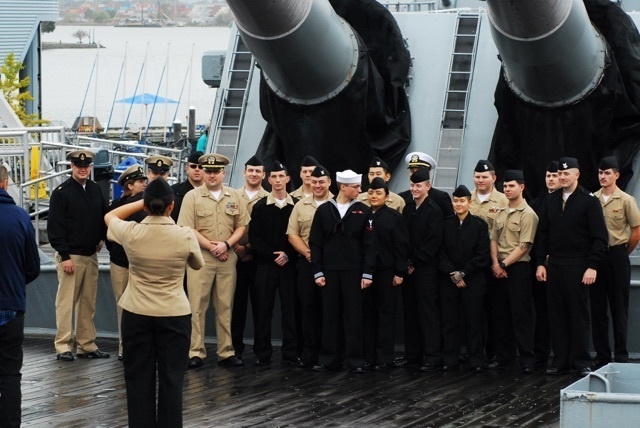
617 247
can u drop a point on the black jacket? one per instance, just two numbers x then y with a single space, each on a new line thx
425 232
573 236
465 247
346 243
117 255
179 190
267 231
392 240
440 197
76 218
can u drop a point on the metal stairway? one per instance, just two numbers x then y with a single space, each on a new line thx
454 111
230 105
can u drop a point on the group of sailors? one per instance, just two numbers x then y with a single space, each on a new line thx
481 275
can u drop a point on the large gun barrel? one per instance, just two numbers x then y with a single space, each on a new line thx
306 52
551 54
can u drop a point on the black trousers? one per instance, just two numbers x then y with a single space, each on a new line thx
269 280
611 291
468 302
541 340
513 315
245 282
568 303
310 297
380 317
427 296
150 342
342 305
11 338
411 323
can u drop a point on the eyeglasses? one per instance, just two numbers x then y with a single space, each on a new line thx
354 186
195 166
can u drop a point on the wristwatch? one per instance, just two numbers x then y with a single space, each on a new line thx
502 265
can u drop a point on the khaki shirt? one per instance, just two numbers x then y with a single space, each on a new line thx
158 252
249 203
302 216
394 201
298 194
215 220
489 209
513 227
621 213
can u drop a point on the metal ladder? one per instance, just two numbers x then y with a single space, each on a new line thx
231 104
452 126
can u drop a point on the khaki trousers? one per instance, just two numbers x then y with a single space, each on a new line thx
119 281
217 278
76 292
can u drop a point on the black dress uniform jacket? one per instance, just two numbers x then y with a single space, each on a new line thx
465 248
579 234
345 243
440 197
117 255
267 231
179 190
425 232
392 241
76 218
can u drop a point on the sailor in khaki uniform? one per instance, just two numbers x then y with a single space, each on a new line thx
379 168
219 218
76 231
622 218
298 231
155 320
512 235
158 166
486 201
250 193
307 166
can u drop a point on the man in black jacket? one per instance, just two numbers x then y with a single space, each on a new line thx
573 235
275 268
421 293
195 178
343 255
416 161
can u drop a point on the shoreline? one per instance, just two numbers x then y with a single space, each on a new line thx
61 45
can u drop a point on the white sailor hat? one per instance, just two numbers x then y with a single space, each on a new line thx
348 177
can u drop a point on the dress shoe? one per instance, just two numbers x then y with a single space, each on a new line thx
95 354
65 356
477 369
231 361
120 357
527 369
554 371
367 365
585 371
450 368
430 367
293 361
596 364
381 367
319 368
195 362
358 370
495 365
400 362
262 361
463 358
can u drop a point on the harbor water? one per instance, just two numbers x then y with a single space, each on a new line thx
73 86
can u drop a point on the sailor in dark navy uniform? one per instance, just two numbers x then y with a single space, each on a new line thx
573 235
195 178
76 231
463 259
392 243
421 292
343 255
417 160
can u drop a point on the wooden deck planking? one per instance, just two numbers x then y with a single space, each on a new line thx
92 393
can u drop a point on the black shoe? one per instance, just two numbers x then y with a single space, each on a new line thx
293 361
194 362
95 354
319 368
585 371
477 369
555 371
596 364
463 358
527 369
450 368
400 362
430 367
382 367
231 361
367 365
495 365
358 370
65 356
261 361
120 357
